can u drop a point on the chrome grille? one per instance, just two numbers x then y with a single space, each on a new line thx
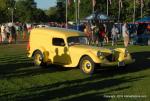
112 57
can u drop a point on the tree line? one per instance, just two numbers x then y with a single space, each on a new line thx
26 10
22 11
126 11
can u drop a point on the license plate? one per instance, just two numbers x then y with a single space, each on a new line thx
121 64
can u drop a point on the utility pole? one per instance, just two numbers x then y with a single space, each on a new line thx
134 12
119 12
12 14
12 10
141 8
107 7
66 14
76 13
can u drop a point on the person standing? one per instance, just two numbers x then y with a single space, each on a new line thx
7 29
12 34
125 34
3 33
101 35
0 36
140 30
114 34
25 31
0 39
88 32
96 35
106 33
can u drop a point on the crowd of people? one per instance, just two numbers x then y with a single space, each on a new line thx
98 33
9 33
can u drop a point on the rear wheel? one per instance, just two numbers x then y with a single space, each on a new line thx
38 58
87 65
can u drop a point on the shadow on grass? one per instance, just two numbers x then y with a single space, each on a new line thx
25 69
88 89
92 88
142 62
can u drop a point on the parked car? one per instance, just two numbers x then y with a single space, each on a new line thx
70 48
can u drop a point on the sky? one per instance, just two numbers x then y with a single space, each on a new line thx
45 4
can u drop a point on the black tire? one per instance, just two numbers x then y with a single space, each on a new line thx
38 59
87 65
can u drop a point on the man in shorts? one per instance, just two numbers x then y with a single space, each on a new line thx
125 34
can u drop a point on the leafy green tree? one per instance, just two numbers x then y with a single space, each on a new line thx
26 11
52 13
4 12
57 13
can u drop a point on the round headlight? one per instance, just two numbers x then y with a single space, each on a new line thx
99 54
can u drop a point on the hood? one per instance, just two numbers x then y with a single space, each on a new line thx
91 48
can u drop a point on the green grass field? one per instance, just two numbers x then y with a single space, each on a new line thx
21 81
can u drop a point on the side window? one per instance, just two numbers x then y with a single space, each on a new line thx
58 42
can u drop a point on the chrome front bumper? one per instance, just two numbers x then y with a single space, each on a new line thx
116 63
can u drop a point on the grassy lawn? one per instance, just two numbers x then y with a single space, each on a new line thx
21 81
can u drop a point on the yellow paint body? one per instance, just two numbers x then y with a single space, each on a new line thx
68 56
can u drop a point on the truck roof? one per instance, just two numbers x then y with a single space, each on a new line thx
57 31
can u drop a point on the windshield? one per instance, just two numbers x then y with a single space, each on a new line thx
78 40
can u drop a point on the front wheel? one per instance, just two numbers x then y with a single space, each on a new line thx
87 65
